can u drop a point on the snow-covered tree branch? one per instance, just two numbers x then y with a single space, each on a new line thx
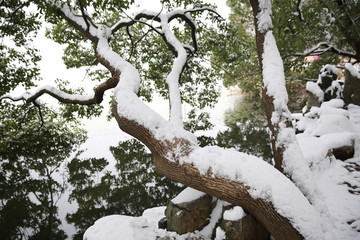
324 47
286 198
64 97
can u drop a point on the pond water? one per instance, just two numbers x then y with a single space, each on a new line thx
111 178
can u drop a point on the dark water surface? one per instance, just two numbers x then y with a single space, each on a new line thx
30 190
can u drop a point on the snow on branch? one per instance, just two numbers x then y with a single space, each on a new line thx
293 162
127 104
324 47
180 50
81 22
54 92
64 97
262 181
264 21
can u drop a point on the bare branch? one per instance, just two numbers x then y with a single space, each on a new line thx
37 105
187 18
325 47
131 21
205 9
155 16
132 42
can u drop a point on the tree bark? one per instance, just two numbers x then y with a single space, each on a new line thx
234 192
351 88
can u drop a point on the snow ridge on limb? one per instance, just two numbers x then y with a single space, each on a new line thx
128 104
262 182
80 22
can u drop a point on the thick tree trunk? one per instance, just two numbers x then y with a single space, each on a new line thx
230 191
225 189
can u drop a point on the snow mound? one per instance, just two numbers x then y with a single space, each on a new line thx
115 227
187 195
234 214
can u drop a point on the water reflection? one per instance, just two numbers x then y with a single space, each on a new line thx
130 191
31 154
30 183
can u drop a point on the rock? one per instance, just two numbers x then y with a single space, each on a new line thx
183 217
324 89
191 209
164 238
172 238
313 101
344 152
328 74
351 88
246 228
162 223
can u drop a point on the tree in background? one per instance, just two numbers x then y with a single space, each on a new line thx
310 34
326 30
19 58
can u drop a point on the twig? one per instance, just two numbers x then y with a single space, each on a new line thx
84 15
37 105
299 10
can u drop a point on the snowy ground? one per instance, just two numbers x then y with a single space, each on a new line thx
323 128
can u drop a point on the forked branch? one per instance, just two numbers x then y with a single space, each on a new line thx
324 47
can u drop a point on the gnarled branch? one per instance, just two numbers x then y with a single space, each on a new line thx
64 97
